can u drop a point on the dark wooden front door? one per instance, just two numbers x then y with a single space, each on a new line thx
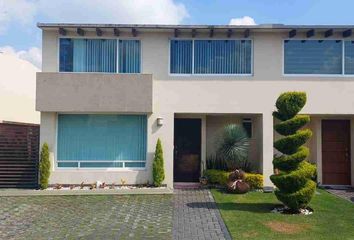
187 145
336 152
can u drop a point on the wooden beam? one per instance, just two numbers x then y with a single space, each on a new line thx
229 33
292 33
347 33
116 32
62 31
310 33
99 32
134 32
80 31
176 34
328 33
211 32
246 34
194 33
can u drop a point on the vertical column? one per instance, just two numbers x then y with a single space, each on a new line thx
267 148
48 133
203 147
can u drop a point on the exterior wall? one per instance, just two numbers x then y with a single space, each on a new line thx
256 94
94 92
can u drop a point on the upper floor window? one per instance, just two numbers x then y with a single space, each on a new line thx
99 55
210 56
318 57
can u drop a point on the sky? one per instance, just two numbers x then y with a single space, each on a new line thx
20 37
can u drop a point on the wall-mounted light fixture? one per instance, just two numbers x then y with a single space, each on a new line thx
159 121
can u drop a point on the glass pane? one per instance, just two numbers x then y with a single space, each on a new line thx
129 56
68 164
66 55
101 137
312 57
94 55
181 56
222 56
134 165
101 165
349 57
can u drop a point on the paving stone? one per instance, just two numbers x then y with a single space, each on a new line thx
196 216
347 193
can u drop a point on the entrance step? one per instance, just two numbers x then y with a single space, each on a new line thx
186 185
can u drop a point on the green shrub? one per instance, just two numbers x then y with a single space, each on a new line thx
291 143
217 176
289 104
255 180
44 167
233 146
216 162
158 172
293 180
221 177
290 126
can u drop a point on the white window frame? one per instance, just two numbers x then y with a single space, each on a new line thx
117 54
315 75
78 168
207 74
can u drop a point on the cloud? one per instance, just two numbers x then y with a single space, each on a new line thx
32 55
22 11
114 11
246 20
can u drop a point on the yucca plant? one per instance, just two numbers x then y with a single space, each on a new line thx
233 146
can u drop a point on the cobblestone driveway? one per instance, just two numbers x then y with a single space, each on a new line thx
188 214
86 217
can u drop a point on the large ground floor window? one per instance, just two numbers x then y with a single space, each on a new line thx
101 141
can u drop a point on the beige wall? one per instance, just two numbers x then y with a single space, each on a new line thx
94 92
256 94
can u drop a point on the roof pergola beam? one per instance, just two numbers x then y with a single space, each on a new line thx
176 32
194 33
80 31
62 31
134 32
328 33
229 33
347 33
292 33
99 32
310 33
116 32
246 34
211 32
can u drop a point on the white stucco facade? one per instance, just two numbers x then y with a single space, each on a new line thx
226 98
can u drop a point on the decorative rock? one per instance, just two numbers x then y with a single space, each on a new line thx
238 186
237 175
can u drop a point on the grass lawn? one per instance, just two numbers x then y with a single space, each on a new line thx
248 216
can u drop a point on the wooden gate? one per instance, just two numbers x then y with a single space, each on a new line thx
19 155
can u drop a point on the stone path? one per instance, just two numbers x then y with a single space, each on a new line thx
343 193
86 217
196 216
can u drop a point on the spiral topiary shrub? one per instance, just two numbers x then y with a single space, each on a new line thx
293 172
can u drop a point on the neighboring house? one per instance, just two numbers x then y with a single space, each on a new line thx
108 92
17 90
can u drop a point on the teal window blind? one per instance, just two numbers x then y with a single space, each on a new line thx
101 140
129 56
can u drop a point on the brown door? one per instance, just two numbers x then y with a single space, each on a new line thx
187 148
336 152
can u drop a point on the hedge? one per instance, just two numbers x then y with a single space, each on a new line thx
221 177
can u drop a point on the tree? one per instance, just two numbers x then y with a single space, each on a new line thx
44 167
158 171
293 172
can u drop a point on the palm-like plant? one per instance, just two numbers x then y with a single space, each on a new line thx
233 146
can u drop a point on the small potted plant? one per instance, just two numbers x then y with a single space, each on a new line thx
203 180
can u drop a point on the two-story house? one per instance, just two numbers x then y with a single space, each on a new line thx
107 92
